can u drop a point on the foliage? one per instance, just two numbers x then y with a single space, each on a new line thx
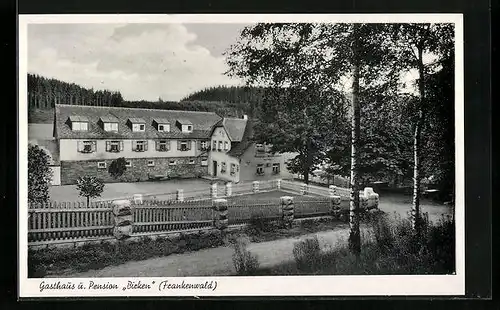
117 167
244 262
39 175
307 254
99 255
395 249
259 224
229 94
89 187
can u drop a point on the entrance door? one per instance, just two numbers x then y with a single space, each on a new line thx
215 168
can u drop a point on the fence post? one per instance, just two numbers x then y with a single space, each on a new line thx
180 195
123 219
229 189
255 186
221 220
335 205
213 190
278 183
332 189
303 189
287 210
372 198
138 199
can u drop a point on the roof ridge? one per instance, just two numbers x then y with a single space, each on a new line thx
128 108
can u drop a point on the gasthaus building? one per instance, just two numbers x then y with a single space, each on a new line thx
159 144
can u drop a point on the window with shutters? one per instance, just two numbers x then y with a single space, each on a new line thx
163 145
203 145
220 146
233 169
260 169
114 146
226 145
87 146
223 167
214 145
276 168
184 145
140 146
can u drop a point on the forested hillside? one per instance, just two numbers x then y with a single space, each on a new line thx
44 93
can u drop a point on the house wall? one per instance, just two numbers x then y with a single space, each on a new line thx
69 150
221 157
139 171
249 162
56 175
220 134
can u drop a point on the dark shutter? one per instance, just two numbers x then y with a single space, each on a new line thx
199 145
108 146
189 142
157 145
146 145
168 145
80 146
121 145
134 145
94 146
178 145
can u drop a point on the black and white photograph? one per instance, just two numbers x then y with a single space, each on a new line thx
241 155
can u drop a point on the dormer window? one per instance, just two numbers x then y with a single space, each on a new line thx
110 123
79 123
161 124
185 125
137 124
164 127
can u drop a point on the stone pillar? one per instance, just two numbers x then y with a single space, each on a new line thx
123 219
335 205
278 183
229 189
138 199
213 190
180 195
372 197
287 210
332 189
220 207
303 189
255 186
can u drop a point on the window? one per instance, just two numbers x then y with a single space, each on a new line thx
139 146
114 146
128 163
111 126
220 145
233 169
101 165
164 127
184 145
138 127
260 169
203 145
226 145
151 163
190 128
171 162
191 161
86 146
276 168
163 145
214 145
223 167
80 126
204 161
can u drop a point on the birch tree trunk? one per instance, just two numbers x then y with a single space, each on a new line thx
354 234
417 177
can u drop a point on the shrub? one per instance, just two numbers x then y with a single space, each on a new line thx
89 187
259 224
307 254
244 262
117 167
39 175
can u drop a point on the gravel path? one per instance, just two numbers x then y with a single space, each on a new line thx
214 261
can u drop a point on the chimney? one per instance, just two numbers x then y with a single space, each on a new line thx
245 116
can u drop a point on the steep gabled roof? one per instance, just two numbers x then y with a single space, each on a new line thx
202 122
235 128
239 148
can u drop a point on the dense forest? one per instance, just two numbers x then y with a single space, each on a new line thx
44 93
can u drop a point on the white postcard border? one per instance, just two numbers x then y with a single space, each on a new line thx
418 285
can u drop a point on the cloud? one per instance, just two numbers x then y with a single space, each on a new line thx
142 61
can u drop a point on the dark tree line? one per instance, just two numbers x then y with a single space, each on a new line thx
45 93
231 94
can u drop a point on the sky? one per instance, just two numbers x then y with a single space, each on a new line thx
142 61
